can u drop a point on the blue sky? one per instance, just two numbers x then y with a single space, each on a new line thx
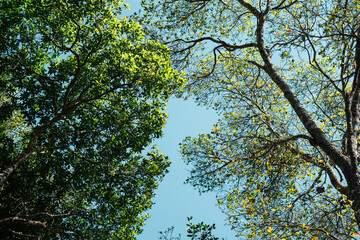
174 200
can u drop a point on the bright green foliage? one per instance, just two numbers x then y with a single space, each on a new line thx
285 76
82 95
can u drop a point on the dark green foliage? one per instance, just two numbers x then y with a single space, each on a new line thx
83 94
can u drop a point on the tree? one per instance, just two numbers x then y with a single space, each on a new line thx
83 94
285 76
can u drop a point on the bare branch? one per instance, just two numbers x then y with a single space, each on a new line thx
227 46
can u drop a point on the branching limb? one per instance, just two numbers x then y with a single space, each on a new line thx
328 147
324 166
224 44
31 148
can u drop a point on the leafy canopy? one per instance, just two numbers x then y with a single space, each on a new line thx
285 76
83 93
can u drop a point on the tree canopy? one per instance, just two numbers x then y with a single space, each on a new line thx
285 76
83 93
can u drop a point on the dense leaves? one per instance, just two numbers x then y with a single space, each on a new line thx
285 77
82 95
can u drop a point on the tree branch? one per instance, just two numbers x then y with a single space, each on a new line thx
227 46
31 147
329 148
23 220
326 167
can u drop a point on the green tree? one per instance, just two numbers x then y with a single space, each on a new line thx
285 76
82 96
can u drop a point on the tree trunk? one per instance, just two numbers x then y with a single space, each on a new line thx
354 187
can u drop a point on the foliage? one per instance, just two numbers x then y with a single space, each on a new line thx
199 231
285 75
82 95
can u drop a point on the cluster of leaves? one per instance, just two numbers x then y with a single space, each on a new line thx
285 77
199 231
83 94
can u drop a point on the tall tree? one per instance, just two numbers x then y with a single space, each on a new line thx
82 95
285 75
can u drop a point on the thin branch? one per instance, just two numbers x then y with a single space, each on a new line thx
280 7
227 46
